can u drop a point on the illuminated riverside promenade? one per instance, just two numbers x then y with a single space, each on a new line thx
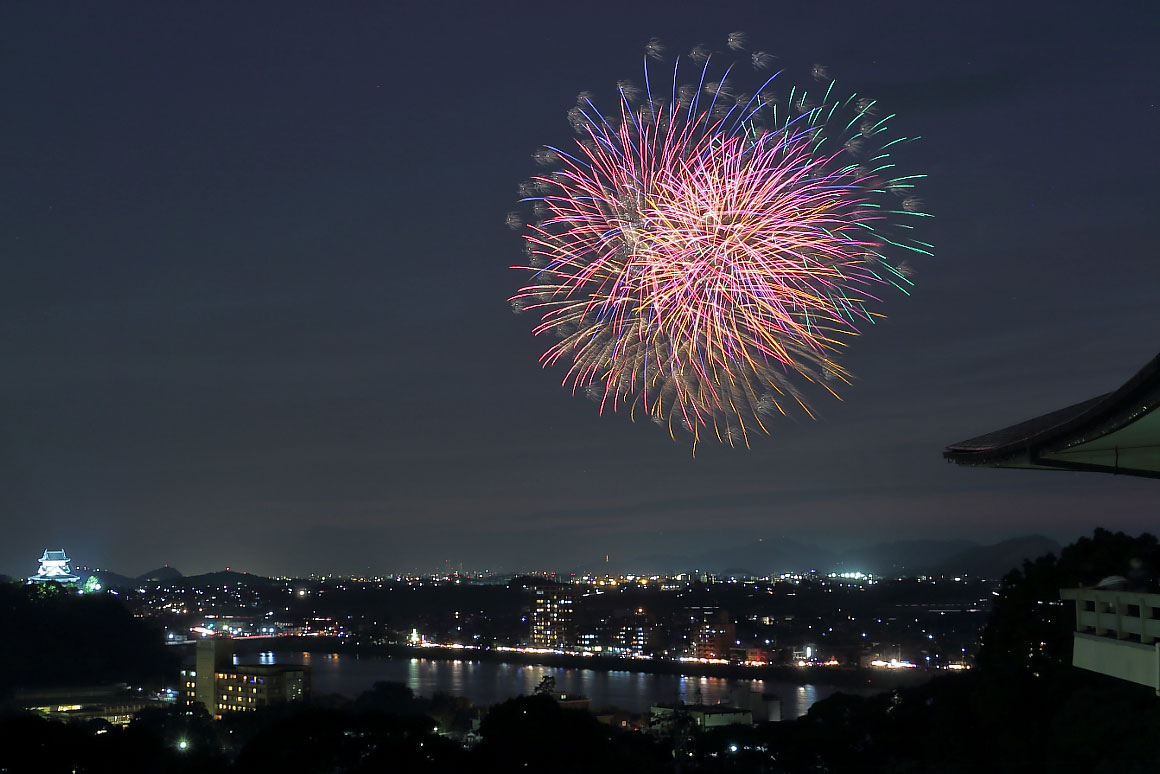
486 683
880 676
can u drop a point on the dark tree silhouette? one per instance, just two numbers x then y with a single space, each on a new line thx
1030 629
37 746
69 638
547 686
390 698
535 733
324 740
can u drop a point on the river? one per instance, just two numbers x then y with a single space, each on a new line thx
486 682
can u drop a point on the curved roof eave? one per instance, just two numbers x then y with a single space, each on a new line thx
1027 444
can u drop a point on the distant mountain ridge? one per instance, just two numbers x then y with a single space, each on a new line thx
996 560
900 557
227 577
161 574
114 580
172 576
760 558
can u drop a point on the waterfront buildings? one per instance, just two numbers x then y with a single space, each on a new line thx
713 634
629 639
934 620
618 634
223 687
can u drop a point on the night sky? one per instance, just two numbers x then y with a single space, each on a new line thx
254 280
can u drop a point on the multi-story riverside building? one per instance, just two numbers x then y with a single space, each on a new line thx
223 687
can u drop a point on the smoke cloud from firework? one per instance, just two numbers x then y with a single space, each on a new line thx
703 254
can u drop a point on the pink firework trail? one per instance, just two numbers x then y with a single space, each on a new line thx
700 258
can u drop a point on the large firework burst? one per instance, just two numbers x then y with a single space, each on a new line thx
704 253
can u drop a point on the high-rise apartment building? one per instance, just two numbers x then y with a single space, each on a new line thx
552 617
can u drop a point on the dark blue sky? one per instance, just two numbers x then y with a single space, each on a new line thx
253 283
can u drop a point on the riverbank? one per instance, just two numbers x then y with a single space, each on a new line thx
838 677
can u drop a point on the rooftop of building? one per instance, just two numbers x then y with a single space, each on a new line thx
1117 432
266 669
703 709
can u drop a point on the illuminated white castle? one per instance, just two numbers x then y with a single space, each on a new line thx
54 568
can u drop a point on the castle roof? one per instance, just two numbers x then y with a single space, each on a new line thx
1118 432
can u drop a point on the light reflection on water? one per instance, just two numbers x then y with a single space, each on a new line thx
487 683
